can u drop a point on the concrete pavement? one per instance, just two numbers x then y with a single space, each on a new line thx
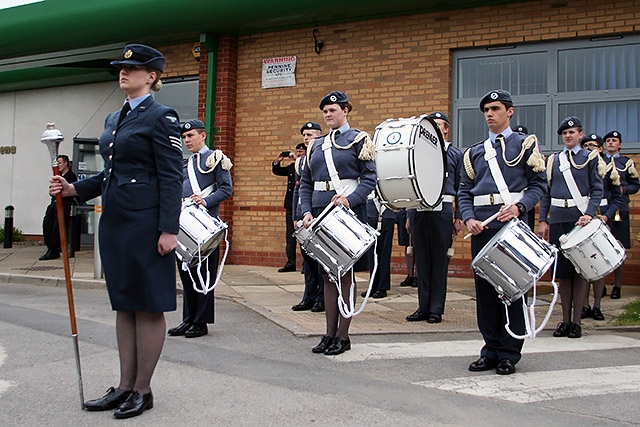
271 294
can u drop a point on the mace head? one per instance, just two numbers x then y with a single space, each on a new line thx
52 138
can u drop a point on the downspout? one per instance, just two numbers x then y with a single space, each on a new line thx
210 43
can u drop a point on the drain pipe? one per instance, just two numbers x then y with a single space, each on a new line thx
210 43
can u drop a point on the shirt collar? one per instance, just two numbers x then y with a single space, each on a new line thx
137 101
345 127
506 133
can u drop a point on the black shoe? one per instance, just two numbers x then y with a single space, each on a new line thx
505 367
417 316
414 282
575 331
562 330
324 344
586 312
434 318
318 307
615 292
179 330
482 364
286 269
49 255
303 306
197 330
338 346
135 405
113 398
379 294
407 281
597 314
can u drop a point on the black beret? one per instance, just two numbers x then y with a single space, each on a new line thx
520 128
438 115
495 95
139 54
334 97
192 124
569 122
310 125
591 137
613 134
301 146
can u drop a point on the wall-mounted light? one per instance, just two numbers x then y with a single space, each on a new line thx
318 45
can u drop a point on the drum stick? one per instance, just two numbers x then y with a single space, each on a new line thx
488 220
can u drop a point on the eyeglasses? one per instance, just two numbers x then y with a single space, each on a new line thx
592 145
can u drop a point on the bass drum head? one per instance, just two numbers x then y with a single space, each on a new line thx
429 162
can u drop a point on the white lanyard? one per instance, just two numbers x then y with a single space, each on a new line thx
565 168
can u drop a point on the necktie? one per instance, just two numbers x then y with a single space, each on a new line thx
123 113
499 139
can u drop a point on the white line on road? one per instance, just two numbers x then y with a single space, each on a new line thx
403 350
4 385
529 387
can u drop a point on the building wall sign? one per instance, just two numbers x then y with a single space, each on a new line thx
279 72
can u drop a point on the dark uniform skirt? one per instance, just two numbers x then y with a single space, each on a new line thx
137 276
621 230
564 269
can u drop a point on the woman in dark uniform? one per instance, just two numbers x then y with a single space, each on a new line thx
353 153
140 187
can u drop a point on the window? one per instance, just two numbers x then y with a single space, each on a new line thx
182 95
597 80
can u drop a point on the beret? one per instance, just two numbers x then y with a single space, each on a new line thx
438 115
613 134
520 128
591 137
569 122
334 97
192 124
310 125
495 95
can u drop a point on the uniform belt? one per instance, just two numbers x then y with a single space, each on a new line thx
328 185
494 199
447 198
563 203
604 202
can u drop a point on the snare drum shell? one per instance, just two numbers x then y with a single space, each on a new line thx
199 235
593 250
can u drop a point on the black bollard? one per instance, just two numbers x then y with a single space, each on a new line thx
8 226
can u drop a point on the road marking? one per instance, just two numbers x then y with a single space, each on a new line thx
4 385
403 350
530 387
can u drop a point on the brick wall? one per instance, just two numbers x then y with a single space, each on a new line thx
390 68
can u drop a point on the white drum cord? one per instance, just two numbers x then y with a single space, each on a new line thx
348 310
205 288
530 316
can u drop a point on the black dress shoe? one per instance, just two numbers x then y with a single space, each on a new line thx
135 405
562 330
286 269
615 292
417 316
179 330
414 282
482 364
197 330
324 344
586 312
407 281
505 367
434 318
597 314
318 307
49 255
379 294
113 398
575 331
338 346
302 306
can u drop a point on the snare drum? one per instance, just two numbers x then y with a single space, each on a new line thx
199 234
336 239
410 162
592 249
513 260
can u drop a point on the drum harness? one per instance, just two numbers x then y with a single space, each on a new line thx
496 173
346 310
195 187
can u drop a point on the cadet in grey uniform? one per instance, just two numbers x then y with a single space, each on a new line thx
213 184
629 184
522 167
559 213
353 154
140 188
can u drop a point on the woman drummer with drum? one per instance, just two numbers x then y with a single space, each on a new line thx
351 154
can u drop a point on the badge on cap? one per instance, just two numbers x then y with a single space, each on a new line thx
494 95
438 115
570 123
594 136
333 98
187 125
615 134
128 54
309 125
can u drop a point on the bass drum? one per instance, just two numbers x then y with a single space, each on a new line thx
411 162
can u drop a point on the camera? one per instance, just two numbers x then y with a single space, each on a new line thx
285 153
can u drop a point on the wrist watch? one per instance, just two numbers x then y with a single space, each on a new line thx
522 209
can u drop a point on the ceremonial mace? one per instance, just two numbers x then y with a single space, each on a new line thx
52 137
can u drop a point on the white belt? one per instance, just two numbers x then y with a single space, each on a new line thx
563 203
447 198
604 202
328 185
494 199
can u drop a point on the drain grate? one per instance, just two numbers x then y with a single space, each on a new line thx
40 268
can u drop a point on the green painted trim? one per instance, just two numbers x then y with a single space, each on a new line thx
35 78
210 43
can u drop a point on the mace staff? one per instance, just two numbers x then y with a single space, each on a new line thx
52 137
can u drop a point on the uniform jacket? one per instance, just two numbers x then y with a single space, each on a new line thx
628 184
290 172
219 178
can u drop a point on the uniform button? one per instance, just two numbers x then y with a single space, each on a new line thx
110 169
104 179
113 133
110 156
110 144
133 180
